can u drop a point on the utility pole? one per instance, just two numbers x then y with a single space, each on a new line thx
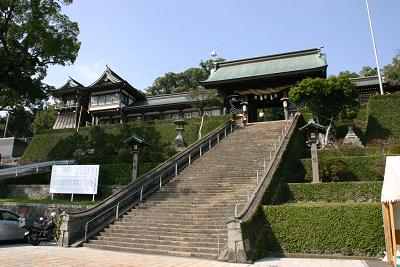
5 129
374 45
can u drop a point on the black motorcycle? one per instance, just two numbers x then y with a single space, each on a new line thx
45 230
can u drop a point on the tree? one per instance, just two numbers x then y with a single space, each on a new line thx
180 82
19 122
326 98
44 119
368 71
33 35
348 74
208 65
204 98
392 71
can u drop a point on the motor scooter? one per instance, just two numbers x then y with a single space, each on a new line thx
35 233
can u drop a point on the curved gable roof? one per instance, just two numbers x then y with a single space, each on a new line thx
268 66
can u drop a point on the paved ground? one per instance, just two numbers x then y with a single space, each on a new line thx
51 255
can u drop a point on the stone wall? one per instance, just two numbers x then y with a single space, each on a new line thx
36 210
43 192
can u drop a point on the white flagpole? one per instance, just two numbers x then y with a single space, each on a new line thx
374 45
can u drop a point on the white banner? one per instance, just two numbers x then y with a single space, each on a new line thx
74 179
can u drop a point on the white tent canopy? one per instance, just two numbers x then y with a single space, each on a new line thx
390 199
391 183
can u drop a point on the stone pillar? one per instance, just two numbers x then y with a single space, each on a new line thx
235 251
135 163
314 162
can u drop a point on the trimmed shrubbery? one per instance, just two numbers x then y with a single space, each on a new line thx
107 141
337 169
383 121
332 192
347 229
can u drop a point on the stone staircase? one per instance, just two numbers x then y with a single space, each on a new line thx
187 216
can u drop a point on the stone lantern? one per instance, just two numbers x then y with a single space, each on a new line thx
313 130
179 142
136 144
285 101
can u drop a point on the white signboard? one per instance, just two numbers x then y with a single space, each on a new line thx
74 179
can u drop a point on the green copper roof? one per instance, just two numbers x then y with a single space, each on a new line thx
273 65
366 81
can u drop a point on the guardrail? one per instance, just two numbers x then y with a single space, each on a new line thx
262 180
31 168
79 227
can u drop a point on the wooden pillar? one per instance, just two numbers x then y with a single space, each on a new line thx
314 162
388 235
393 233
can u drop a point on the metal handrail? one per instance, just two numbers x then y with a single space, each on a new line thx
22 169
164 172
278 141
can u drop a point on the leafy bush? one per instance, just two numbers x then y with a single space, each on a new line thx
37 178
333 192
362 168
347 229
115 174
383 121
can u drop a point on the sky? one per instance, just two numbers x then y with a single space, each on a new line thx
143 39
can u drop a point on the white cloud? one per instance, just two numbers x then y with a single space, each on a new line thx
87 73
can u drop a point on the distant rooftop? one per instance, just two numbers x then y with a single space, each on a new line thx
366 81
162 100
268 66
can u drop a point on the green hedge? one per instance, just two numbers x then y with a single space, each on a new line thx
318 228
384 119
107 141
37 178
347 229
350 151
362 168
333 192
110 174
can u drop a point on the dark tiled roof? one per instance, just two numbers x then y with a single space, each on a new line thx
70 86
162 100
109 79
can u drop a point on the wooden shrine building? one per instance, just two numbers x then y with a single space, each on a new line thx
260 85
255 86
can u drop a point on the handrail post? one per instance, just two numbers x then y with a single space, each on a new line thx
86 228
190 158
225 132
209 144
200 149
231 127
117 211
236 209
160 181
218 138
37 168
257 176
176 169
16 171
141 194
